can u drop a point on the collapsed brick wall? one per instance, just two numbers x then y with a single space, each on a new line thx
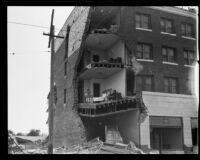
68 127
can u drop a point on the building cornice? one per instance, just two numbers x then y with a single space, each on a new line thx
174 10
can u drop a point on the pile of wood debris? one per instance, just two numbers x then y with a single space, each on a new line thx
95 146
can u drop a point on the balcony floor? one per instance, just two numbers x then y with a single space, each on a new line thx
100 70
107 108
100 41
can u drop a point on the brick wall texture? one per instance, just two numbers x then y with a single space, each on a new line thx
68 127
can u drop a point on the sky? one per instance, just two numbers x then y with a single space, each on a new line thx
29 67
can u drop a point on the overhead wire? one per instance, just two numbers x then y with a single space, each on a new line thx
38 26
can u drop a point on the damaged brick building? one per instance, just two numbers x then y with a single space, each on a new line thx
127 72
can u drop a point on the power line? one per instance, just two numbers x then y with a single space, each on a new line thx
27 52
33 25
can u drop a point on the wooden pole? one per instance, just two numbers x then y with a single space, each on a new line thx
50 145
51 97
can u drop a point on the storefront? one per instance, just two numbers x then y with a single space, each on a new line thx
166 134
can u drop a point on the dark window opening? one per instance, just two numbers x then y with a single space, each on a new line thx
65 69
170 85
187 30
188 57
96 58
81 91
143 21
130 81
169 54
144 83
55 94
144 51
96 90
167 25
65 92
194 136
128 55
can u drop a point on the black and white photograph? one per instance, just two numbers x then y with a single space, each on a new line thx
103 79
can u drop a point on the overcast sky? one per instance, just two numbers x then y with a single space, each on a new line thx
29 67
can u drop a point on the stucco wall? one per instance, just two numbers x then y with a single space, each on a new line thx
115 81
117 50
129 128
162 104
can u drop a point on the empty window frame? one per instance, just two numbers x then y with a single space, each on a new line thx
65 69
55 94
167 25
143 21
187 30
67 42
144 51
170 85
65 92
128 55
144 83
188 57
169 54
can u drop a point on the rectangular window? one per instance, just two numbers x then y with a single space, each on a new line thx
65 69
169 54
187 30
65 92
143 21
188 57
170 85
144 83
128 55
144 51
167 25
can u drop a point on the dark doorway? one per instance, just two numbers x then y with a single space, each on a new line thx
96 90
130 81
194 136
81 91
166 139
96 58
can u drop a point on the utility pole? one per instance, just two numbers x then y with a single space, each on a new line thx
51 98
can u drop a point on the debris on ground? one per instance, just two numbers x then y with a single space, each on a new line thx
95 146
